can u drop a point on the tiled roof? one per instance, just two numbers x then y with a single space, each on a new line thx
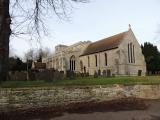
104 44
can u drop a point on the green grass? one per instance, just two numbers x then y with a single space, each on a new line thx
84 81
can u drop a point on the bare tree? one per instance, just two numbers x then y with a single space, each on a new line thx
27 17
34 54
29 55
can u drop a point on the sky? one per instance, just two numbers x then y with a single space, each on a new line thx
96 20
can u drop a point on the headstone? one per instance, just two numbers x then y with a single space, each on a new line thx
95 74
99 72
108 73
104 73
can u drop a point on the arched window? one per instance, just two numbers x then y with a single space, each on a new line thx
96 60
72 63
128 52
131 54
131 51
88 62
106 62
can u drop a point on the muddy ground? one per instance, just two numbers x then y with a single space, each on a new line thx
122 109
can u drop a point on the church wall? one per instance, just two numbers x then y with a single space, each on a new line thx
101 65
75 50
61 58
131 68
67 60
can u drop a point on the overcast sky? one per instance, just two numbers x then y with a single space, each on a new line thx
97 20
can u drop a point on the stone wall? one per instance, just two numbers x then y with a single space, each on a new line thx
38 97
49 75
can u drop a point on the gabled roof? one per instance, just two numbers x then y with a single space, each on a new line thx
104 44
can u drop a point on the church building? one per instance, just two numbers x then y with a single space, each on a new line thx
118 55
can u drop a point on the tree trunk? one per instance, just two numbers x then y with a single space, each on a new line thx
5 32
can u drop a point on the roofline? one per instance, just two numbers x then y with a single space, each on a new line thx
109 37
98 51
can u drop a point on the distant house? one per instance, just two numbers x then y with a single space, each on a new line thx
38 65
118 55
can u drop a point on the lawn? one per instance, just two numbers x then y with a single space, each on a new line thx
84 81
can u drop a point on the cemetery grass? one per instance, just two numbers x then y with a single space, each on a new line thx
85 81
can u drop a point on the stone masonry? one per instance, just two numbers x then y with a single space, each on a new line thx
38 97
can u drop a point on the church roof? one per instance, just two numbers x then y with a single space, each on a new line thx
104 44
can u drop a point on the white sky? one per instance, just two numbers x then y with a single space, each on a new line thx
100 19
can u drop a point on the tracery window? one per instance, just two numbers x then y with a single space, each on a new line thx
96 60
131 53
72 63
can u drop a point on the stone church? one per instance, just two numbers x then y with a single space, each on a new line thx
118 55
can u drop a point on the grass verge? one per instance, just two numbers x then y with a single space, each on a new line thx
147 80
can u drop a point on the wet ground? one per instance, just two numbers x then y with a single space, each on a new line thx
123 109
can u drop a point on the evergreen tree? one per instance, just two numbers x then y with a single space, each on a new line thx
152 57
